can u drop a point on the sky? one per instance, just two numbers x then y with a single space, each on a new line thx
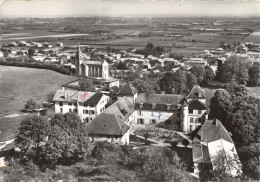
128 8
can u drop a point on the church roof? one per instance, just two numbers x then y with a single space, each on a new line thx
127 90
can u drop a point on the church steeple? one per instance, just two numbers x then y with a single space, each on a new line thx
79 60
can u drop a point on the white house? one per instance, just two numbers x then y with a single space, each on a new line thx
156 108
212 145
113 123
86 104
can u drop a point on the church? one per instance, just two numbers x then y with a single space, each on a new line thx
97 68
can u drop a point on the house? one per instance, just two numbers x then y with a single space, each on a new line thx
156 108
113 124
186 113
128 91
91 68
212 145
87 105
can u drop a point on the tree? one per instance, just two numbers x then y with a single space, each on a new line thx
146 86
209 75
85 85
220 105
33 132
174 82
31 105
61 140
254 76
235 68
31 52
199 72
235 90
191 80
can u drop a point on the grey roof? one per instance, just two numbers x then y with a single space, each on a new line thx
210 131
195 89
112 120
171 99
77 96
127 90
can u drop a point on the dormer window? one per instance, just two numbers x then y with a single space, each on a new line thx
141 105
168 106
153 105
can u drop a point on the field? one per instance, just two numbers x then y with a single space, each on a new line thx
254 37
19 85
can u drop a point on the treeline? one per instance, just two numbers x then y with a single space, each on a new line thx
239 69
53 67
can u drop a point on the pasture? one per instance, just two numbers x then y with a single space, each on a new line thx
19 85
254 37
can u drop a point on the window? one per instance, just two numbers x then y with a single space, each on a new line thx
61 104
139 112
191 111
70 104
168 106
75 110
75 104
153 121
70 110
140 121
198 120
191 120
85 111
199 111
86 120
61 110
92 112
191 127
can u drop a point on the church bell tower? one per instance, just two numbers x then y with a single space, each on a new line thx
78 61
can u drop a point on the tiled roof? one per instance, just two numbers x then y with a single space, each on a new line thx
112 120
196 89
107 124
212 131
127 90
196 104
159 98
94 99
160 107
75 95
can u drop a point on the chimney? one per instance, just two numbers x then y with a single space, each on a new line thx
214 122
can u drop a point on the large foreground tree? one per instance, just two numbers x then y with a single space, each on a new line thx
61 140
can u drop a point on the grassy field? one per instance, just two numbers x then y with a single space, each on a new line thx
19 85
254 37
